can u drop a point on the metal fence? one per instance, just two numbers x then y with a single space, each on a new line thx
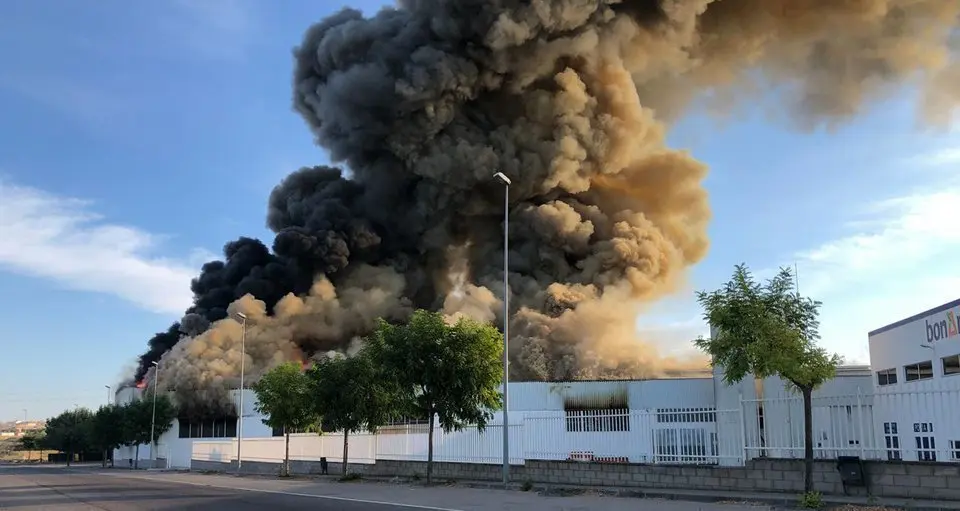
620 436
907 425
895 425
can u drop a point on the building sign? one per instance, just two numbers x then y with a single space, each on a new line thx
944 328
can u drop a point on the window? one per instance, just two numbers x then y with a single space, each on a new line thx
892 439
951 365
955 450
222 427
686 415
919 371
582 421
685 445
926 444
279 431
887 377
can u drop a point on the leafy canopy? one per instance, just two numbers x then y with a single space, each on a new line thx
138 418
106 427
352 394
453 371
283 398
68 432
765 330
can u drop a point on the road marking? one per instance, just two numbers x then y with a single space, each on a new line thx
296 494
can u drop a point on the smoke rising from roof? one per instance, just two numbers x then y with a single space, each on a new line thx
572 100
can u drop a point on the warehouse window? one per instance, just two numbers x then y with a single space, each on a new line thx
686 415
918 371
208 428
955 450
926 443
887 377
293 431
892 438
684 445
951 365
595 420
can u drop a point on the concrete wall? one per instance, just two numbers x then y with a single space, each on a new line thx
886 479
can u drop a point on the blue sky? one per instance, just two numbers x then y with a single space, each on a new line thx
136 140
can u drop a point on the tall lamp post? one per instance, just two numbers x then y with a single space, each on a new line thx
153 418
243 356
108 393
506 323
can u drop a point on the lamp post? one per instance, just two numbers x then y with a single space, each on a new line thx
153 418
243 356
506 323
108 394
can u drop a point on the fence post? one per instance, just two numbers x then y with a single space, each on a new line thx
743 431
860 421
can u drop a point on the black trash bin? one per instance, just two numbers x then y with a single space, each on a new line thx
851 472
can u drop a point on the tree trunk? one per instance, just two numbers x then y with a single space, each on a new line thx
136 458
286 457
430 448
807 439
104 462
346 450
69 455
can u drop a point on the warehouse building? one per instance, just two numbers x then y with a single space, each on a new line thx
916 363
900 407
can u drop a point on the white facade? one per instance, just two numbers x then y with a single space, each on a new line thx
918 356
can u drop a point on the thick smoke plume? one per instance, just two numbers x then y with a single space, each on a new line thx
572 100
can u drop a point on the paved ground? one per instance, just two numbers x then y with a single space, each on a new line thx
87 488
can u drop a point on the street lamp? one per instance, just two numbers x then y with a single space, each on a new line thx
153 419
24 415
108 394
506 322
243 349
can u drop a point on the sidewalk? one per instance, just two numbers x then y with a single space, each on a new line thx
477 495
436 498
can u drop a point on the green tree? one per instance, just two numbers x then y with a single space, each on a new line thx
765 330
451 372
33 441
283 397
138 422
352 395
106 430
68 432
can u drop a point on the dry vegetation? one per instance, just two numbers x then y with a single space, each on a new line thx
9 452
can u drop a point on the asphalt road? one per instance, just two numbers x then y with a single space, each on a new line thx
57 488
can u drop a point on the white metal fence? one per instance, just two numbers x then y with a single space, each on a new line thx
919 425
622 436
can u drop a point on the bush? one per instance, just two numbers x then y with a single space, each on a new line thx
811 500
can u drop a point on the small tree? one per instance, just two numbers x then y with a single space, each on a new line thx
106 430
352 395
283 396
451 372
67 432
140 425
32 441
767 330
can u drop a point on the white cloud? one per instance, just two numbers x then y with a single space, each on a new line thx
62 240
898 260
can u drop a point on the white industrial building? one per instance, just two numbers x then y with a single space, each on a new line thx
917 385
896 410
